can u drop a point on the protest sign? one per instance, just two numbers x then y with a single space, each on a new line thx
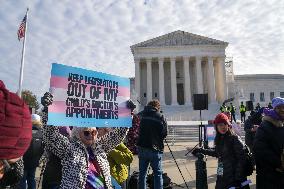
86 98
211 133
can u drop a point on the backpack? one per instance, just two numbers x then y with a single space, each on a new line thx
133 180
35 150
249 165
167 182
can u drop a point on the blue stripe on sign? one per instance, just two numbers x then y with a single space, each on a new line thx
60 119
63 71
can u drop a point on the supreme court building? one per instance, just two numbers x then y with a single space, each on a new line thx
174 66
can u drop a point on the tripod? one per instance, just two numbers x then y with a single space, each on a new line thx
200 163
177 164
202 132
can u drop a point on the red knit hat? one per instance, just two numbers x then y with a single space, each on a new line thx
15 125
222 118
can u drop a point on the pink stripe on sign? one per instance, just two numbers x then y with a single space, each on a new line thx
59 82
57 107
123 112
60 107
62 83
123 91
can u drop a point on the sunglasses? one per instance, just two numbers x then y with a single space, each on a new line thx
88 133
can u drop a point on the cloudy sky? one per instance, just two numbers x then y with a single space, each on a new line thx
97 34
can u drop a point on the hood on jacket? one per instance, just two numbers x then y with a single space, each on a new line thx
149 109
276 123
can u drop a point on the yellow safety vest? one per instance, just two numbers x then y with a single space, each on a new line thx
242 108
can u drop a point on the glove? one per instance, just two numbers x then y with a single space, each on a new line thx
130 104
196 151
47 99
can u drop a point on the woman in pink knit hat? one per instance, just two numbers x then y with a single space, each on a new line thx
230 151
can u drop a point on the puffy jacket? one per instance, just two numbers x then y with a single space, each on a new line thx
74 156
119 161
268 148
15 125
153 129
230 151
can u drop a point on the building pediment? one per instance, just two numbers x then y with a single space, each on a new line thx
179 38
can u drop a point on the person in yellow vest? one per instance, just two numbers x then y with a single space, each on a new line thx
223 108
243 112
232 109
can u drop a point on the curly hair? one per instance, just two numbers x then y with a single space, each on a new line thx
154 103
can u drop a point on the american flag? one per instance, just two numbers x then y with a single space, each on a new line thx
22 28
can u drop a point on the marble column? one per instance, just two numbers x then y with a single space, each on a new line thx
137 78
211 81
223 83
149 79
173 81
187 93
198 73
161 81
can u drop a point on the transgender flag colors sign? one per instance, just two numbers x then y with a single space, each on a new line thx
86 98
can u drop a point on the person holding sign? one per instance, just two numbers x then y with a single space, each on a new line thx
84 156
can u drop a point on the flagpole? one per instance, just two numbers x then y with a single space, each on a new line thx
23 57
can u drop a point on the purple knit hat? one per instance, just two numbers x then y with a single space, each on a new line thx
277 101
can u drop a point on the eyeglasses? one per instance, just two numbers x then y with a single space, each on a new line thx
88 133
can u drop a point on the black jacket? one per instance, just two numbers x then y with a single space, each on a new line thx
152 130
254 119
267 148
33 154
229 151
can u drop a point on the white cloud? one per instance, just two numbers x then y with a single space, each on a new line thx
97 34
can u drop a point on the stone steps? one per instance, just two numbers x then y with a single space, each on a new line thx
186 133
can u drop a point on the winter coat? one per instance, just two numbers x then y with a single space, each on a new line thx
153 129
230 152
53 170
254 119
268 148
12 177
119 160
33 154
74 156
133 133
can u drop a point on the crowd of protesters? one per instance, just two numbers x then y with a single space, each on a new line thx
90 157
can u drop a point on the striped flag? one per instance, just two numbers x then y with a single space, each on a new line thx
22 28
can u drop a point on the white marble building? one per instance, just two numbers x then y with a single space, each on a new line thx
260 88
174 66
177 65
